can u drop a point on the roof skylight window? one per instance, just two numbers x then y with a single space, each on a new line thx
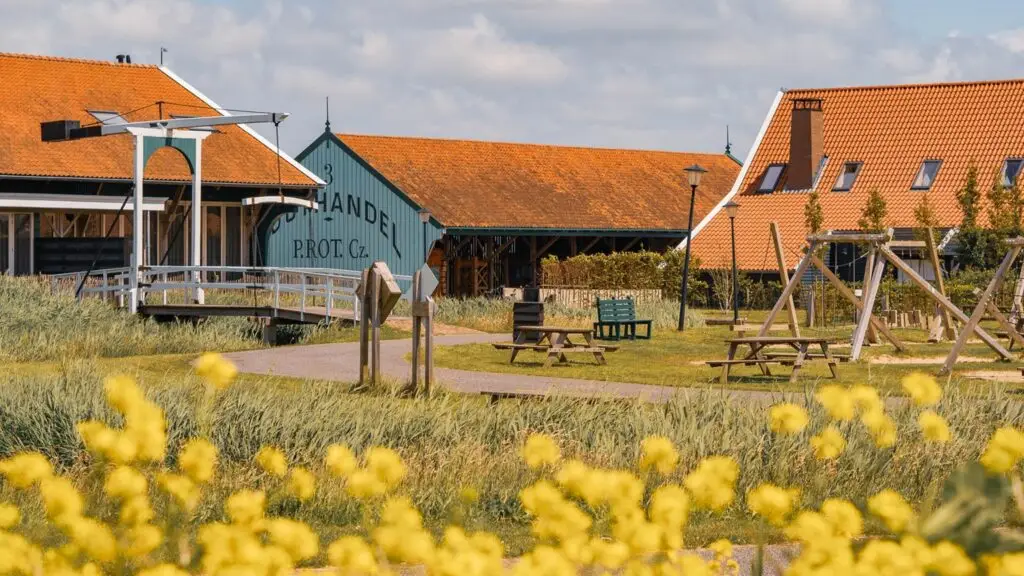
847 177
771 178
1010 171
926 175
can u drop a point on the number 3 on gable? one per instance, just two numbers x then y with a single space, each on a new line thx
329 173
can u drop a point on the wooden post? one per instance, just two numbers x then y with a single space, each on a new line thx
957 313
794 326
933 255
872 336
871 291
428 369
364 330
979 311
416 324
1011 331
375 330
788 290
845 292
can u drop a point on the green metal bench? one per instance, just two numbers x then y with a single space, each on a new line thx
616 319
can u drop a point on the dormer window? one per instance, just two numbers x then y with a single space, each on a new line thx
108 118
847 177
770 181
926 175
1011 168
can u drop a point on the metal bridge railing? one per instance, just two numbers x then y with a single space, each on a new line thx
300 288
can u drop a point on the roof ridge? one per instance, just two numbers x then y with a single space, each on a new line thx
907 86
342 136
25 56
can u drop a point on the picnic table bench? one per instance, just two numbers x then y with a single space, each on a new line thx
761 358
556 341
616 319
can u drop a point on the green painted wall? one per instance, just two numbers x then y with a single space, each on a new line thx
362 218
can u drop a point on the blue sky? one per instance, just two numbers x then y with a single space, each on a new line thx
662 74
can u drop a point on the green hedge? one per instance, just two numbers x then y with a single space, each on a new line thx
643 270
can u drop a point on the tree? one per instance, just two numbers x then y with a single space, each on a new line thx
872 219
814 216
972 239
924 214
1001 218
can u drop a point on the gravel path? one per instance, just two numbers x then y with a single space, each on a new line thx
341 362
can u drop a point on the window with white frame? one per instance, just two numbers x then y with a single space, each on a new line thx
1011 169
770 181
847 176
107 117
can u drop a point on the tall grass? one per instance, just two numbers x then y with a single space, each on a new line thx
37 325
451 442
495 315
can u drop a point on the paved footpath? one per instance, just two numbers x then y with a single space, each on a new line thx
341 362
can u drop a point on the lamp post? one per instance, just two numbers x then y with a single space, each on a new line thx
731 209
425 219
693 174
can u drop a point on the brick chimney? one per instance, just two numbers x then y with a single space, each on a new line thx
806 143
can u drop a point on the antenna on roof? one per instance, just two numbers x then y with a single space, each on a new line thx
327 124
728 141
162 52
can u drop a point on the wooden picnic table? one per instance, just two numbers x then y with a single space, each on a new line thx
758 356
556 341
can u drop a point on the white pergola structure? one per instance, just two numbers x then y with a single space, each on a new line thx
148 137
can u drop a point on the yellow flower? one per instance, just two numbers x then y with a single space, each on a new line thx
142 540
61 499
933 427
25 469
881 427
772 503
218 371
892 509
948 559
844 517
162 570
340 460
93 537
838 402
712 483
10 516
295 538
540 450
866 398
363 485
922 388
122 393
352 555
272 461
386 465
722 548
245 507
184 491
136 511
788 418
469 495
829 444
301 484
885 557
124 482
658 452
198 459
1003 451
1008 565
670 510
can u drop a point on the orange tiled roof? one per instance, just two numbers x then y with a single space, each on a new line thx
471 184
891 129
38 89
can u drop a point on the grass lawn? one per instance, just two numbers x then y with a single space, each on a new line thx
677 359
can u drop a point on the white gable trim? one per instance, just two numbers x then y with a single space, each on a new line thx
247 129
743 171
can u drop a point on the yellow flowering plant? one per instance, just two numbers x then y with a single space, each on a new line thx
168 520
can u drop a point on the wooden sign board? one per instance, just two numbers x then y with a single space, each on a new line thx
390 293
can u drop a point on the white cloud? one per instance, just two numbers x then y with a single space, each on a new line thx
316 82
374 49
129 20
481 52
1012 40
818 9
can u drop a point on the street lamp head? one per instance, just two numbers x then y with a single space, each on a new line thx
694 174
731 209
424 215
